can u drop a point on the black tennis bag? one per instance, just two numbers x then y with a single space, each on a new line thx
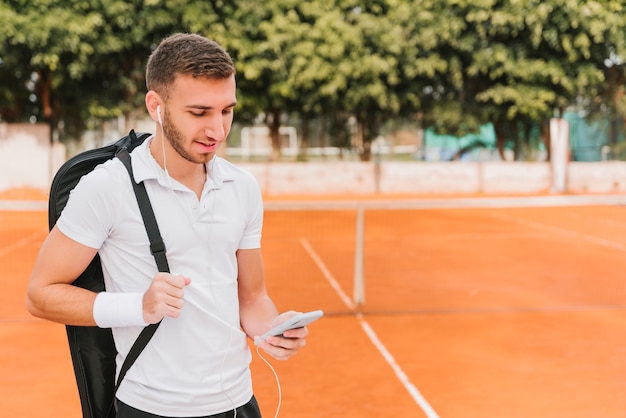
92 349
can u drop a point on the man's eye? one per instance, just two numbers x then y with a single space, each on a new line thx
198 114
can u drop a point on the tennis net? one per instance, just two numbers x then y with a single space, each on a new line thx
420 254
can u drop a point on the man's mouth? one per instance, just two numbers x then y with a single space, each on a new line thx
210 146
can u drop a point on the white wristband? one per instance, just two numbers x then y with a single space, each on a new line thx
112 310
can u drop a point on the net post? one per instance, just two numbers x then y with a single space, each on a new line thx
359 285
559 152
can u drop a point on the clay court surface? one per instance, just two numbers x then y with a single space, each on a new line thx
508 307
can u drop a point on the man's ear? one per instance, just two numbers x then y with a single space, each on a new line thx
153 100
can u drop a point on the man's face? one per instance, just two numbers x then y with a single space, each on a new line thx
198 116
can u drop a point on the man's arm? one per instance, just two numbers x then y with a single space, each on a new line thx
50 294
257 311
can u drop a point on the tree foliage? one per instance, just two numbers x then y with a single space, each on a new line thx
454 64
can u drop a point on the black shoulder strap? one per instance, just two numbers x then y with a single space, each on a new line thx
157 247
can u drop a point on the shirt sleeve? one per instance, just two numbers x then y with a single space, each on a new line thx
89 214
251 238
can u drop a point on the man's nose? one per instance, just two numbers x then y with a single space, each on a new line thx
215 128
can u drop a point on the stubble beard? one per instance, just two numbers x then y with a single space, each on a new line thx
177 141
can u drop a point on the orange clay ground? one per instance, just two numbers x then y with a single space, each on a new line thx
480 312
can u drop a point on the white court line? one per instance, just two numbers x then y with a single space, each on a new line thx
327 274
561 231
410 387
451 203
404 379
24 241
24 205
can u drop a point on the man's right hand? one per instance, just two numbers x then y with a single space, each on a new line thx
164 297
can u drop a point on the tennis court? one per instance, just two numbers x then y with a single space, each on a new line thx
488 307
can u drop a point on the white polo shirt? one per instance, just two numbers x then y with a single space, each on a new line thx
197 364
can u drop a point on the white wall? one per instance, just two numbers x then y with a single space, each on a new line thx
28 160
434 178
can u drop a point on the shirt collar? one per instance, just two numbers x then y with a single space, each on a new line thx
145 167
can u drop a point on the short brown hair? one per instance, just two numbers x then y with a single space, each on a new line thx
186 54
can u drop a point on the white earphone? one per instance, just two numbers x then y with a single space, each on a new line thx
159 114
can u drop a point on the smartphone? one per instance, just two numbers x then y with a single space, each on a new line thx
298 321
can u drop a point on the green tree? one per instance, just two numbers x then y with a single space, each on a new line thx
77 64
44 47
515 63
456 64
347 63
318 59
259 33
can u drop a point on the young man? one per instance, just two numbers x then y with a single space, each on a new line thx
210 214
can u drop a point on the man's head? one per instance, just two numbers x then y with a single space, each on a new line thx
191 95
187 55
